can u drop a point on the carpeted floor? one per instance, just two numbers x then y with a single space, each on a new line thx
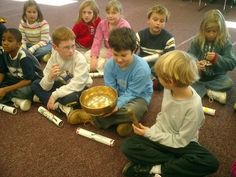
30 146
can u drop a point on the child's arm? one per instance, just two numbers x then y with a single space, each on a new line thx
195 49
44 37
22 30
179 137
226 60
170 45
7 89
97 41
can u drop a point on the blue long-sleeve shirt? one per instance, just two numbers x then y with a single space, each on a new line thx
130 83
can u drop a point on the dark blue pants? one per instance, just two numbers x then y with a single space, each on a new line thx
45 95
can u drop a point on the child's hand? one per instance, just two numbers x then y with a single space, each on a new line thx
201 65
140 130
211 56
3 92
93 64
55 72
51 103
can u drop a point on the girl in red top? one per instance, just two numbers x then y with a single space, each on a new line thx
86 25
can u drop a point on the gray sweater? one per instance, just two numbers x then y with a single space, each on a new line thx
178 122
76 69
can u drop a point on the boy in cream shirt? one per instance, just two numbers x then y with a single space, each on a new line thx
65 75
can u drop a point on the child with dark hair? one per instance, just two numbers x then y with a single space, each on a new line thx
2 28
130 75
35 31
18 68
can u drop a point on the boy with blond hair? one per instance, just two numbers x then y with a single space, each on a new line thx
66 74
170 147
154 40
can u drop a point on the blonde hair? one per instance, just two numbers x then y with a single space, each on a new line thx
88 3
62 34
178 67
213 18
115 5
159 10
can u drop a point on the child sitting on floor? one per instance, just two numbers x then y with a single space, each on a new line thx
35 31
215 57
170 147
130 75
155 40
65 75
18 68
98 54
86 25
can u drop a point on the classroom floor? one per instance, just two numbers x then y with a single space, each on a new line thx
30 146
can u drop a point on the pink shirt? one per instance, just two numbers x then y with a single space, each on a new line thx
102 35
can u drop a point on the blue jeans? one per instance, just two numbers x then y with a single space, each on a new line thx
40 52
45 95
220 83
22 93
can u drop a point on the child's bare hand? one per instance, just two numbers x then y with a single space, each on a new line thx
55 72
3 92
51 103
140 130
210 56
93 64
201 65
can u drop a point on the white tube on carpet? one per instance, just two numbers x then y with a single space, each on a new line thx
57 121
8 109
96 137
209 111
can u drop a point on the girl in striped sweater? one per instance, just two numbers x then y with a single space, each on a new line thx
35 31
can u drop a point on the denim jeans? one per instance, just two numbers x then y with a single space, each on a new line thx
40 52
220 83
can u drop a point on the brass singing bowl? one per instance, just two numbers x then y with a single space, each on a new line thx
98 100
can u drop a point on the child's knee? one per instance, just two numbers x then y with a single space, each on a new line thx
35 85
126 146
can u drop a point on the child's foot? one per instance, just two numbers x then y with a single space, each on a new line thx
131 170
46 57
124 129
217 96
23 104
78 116
36 99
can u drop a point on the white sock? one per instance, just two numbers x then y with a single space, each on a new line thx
156 169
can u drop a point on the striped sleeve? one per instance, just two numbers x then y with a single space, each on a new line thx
22 30
170 44
44 36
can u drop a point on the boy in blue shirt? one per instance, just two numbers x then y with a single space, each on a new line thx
18 68
130 75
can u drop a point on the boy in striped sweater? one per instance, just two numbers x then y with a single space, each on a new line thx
35 31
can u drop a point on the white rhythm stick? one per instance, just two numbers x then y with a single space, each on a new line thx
50 116
209 111
98 74
151 58
96 137
8 109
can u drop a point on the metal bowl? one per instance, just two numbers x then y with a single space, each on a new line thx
99 100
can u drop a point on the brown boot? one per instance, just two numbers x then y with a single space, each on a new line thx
124 129
78 116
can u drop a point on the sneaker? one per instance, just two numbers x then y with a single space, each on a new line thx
136 170
46 57
65 109
36 99
23 104
124 129
78 116
217 96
